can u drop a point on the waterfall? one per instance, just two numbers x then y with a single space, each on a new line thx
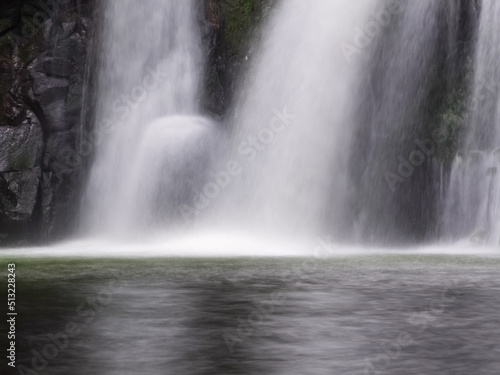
156 148
293 122
472 206
291 129
409 71
329 133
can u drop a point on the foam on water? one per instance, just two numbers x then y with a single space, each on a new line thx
233 244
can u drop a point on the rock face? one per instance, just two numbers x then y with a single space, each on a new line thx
21 145
47 65
44 49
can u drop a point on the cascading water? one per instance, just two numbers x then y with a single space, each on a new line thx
293 123
332 133
156 150
410 70
296 169
472 206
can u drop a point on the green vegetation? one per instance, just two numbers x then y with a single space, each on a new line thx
238 19
445 106
24 161
451 123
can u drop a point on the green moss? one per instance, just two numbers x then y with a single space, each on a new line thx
236 23
24 161
28 51
451 123
6 47
28 10
238 18
3 105
445 109
6 23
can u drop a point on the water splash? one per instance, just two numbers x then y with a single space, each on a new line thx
148 94
293 123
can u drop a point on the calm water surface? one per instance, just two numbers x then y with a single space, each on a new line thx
358 315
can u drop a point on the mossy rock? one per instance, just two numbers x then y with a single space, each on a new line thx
238 19
24 161
6 23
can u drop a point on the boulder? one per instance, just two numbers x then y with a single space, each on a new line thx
21 146
19 193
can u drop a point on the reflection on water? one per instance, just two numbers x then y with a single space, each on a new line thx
366 315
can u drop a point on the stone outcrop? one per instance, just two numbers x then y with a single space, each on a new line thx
43 58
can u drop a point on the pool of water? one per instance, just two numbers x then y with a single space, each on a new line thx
370 314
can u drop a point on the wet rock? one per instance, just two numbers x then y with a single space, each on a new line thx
21 146
59 201
55 31
53 95
24 187
48 185
58 151
42 67
8 200
43 83
55 66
